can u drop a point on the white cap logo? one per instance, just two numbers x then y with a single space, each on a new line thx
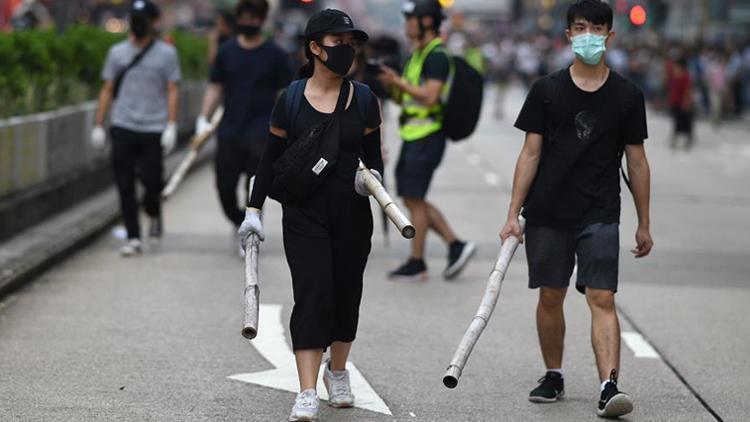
347 21
409 7
140 4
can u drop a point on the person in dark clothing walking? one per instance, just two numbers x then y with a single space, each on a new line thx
327 233
680 97
247 75
222 32
579 122
141 76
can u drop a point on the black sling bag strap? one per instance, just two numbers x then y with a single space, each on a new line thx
309 157
120 76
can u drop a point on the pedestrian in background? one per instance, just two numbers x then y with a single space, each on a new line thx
246 77
579 122
222 31
717 86
680 99
140 82
419 92
327 231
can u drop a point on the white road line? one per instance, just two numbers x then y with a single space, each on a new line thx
271 344
639 345
492 179
474 159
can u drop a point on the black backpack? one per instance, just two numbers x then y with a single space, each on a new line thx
464 106
551 86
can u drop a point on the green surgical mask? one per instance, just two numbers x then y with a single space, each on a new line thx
589 47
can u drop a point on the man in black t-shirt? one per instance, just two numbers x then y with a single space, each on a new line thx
578 123
247 75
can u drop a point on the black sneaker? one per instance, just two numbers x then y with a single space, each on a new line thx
412 269
459 254
613 403
551 389
155 229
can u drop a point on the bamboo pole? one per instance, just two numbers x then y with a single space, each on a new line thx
196 143
252 289
483 314
387 203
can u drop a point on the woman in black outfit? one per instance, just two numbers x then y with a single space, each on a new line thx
326 234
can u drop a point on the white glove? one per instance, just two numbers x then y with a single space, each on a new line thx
169 137
359 182
98 137
202 125
251 225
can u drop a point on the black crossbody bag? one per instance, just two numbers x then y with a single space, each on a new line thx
311 157
137 59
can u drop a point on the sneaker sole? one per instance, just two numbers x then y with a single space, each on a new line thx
130 254
620 404
423 276
540 399
454 270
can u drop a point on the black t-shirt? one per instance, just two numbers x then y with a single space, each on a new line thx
251 79
578 180
436 66
351 147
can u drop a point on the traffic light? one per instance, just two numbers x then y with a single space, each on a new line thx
296 4
638 15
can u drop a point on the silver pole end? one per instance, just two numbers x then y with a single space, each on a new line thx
451 377
249 333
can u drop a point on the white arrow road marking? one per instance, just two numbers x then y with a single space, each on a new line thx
271 344
639 345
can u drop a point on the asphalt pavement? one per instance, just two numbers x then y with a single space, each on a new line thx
157 338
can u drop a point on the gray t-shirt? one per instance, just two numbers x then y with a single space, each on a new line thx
141 104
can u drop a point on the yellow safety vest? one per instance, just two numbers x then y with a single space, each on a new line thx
417 120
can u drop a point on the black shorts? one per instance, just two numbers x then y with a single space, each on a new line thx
552 253
417 163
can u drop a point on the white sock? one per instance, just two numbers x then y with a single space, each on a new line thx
604 384
558 370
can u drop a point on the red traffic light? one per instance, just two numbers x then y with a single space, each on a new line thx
637 15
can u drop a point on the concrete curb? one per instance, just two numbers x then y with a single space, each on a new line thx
31 252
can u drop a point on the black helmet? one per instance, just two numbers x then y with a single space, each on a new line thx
423 8
145 8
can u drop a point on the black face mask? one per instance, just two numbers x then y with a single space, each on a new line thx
340 58
139 26
248 30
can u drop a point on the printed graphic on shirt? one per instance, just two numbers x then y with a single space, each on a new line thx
585 122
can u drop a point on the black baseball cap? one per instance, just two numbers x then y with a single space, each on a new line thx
332 21
145 8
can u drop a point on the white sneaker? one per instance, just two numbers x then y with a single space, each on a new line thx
338 386
306 406
131 248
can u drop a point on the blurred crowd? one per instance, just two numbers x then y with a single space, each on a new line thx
719 73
